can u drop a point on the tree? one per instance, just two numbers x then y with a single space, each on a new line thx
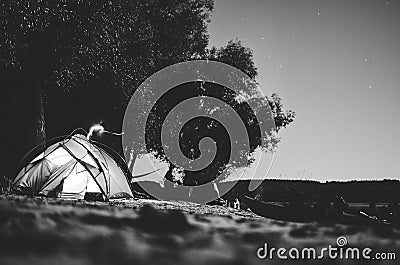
178 33
56 46
68 64
191 134
73 63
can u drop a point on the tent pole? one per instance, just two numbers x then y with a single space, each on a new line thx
87 169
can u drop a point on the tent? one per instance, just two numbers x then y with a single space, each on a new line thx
73 168
149 169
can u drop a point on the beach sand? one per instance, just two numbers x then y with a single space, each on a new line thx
51 231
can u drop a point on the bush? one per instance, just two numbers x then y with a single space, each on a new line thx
5 185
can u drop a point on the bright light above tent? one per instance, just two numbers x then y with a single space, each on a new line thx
100 129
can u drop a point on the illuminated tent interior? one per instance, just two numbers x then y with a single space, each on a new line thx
72 168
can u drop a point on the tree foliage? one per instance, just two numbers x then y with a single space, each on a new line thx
78 61
68 64
235 54
241 57
74 41
250 105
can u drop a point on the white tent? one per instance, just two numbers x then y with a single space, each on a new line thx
148 168
71 168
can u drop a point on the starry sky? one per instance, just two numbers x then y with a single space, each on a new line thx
337 64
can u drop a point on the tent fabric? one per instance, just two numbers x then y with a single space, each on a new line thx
55 179
33 176
72 167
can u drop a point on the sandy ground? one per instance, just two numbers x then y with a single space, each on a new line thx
49 231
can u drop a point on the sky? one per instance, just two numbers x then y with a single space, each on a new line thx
337 65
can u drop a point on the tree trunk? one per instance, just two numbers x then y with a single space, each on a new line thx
41 128
131 160
24 125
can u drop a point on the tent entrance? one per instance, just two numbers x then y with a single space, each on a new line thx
77 183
